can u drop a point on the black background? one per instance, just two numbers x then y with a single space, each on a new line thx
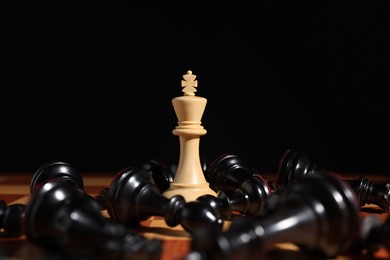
92 85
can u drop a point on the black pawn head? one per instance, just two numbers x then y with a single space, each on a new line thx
11 218
162 173
56 171
227 172
292 166
125 191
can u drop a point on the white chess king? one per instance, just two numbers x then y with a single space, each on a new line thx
189 180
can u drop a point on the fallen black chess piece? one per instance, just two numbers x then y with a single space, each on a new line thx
10 218
11 215
161 173
318 213
294 165
134 196
228 171
56 171
375 233
247 200
67 222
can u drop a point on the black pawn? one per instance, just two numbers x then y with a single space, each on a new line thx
134 196
228 172
294 165
11 218
66 221
56 171
318 213
162 173
248 199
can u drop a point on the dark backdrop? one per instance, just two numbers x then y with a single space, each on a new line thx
92 85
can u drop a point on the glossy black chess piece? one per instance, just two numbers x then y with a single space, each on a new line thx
375 234
246 200
229 171
161 172
133 196
294 165
54 171
62 219
11 218
318 213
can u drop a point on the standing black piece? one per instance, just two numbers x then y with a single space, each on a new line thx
66 221
294 165
11 218
318 213
134 196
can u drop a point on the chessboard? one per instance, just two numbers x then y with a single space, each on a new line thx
15 188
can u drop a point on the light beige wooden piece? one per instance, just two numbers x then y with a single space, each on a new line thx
189 180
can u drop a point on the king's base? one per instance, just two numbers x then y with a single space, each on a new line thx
190 192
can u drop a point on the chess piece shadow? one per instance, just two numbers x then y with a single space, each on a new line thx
133 196
294 165
318 213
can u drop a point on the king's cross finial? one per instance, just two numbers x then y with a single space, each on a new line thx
189 84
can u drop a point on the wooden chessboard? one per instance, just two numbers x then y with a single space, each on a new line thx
15 188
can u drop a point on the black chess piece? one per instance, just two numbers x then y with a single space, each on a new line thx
246 200
64 220
11 218
133 196
56 170
61 218
375 234
162 173
219 172
12 215
229 171
318 213
294 165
